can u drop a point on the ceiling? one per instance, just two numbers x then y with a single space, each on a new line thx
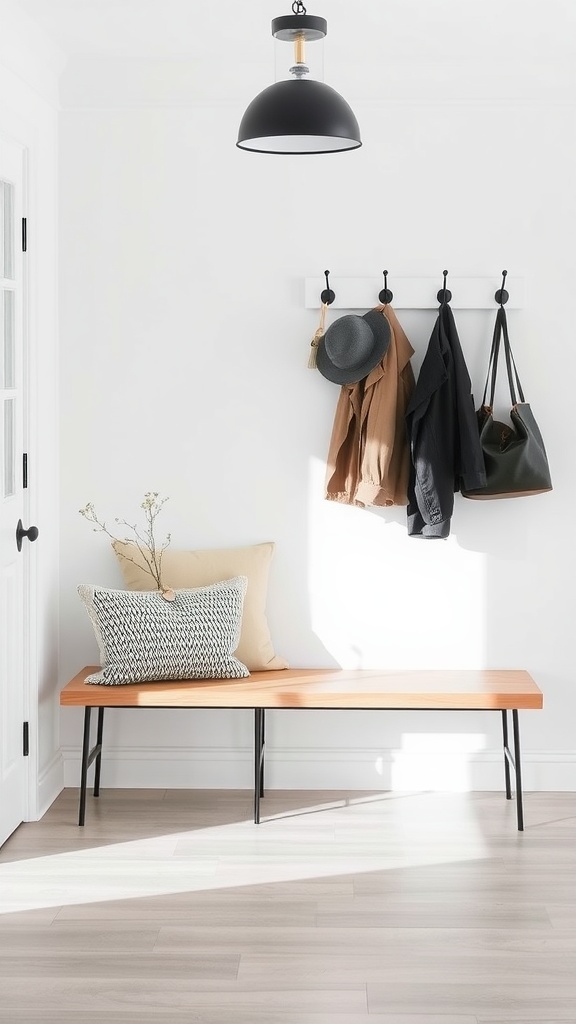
410 30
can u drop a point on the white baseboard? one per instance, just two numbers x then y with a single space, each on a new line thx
307 768
50 784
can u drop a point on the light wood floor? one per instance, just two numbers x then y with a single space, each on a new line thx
340 908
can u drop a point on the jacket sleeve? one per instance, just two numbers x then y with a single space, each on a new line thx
342 462
431 433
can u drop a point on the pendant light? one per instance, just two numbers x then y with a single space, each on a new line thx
299 114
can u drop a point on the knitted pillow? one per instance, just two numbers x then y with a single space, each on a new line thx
144 638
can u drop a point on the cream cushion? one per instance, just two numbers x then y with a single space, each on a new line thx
184 569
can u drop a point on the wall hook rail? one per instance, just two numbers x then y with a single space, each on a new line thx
357 294
327 295
502 295
444 295
385 295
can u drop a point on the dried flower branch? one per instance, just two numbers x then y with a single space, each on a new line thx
145 541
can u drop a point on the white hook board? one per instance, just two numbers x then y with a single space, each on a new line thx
414 292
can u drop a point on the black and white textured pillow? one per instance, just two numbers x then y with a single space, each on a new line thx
144 638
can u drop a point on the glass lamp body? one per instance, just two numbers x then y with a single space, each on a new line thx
286 58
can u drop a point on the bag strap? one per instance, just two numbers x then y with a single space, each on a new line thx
510 364
493 363
501 331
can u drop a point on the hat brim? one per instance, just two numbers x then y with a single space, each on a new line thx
351 375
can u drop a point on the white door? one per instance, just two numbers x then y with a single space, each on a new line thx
13 563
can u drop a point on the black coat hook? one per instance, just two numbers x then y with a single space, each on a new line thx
385 295
502 295
327 295
444 295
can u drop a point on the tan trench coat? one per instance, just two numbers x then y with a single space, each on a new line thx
368 459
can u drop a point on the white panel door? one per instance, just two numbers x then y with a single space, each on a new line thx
13 764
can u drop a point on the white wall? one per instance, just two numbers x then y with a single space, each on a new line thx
30 66
184 370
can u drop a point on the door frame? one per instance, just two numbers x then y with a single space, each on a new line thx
17 133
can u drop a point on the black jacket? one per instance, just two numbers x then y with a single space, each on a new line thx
443 433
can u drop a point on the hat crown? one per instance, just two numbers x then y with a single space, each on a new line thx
352 346
349 341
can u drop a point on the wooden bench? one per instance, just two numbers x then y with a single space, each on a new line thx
500 690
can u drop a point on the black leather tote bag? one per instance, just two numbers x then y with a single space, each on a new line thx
514 454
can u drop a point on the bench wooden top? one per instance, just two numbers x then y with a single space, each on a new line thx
466 689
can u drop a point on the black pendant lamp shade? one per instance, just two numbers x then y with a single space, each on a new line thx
299 115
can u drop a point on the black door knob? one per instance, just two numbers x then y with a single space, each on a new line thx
31 533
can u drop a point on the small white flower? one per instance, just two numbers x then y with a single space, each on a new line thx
149 552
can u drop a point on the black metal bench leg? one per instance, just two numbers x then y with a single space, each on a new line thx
84 768
98 759
87 757
506 754
263 747
519 808
258 759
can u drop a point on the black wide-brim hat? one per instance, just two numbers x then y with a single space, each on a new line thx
352 346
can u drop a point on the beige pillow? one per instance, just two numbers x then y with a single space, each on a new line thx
185 569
